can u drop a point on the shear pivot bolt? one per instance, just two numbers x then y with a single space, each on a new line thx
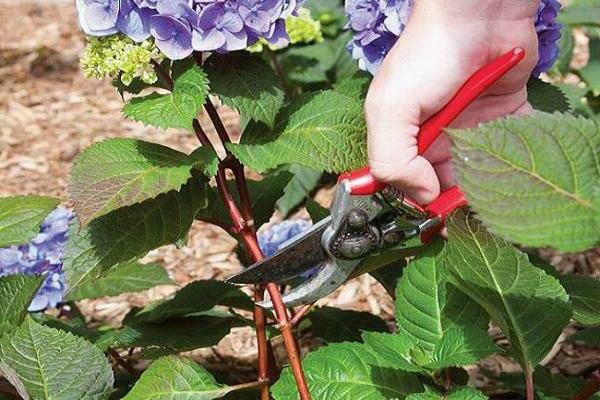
391 238
357 219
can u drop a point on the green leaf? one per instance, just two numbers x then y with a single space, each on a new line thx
171 336
546 97
565 55
196 297
461 393
390 275
591 72
324 131
426 308
74 325
126 278
584 293
21 216
246 83
265 193
263 196
557 385
308 64
393 349
513 292
176 378
504 162
334 325
581 12
207 160
330 13
177 109
461 346
127 234
347 371
355 87
576 96
589 336
120 172
458 347
304 180
45 363
316 211
17 292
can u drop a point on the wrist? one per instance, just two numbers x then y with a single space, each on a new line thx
465 11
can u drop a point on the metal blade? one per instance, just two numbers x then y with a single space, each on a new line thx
331 276
300 254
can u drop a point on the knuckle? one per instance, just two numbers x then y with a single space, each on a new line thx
386 171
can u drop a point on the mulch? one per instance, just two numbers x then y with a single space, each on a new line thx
49 113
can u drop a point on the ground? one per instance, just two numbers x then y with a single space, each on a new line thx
49 113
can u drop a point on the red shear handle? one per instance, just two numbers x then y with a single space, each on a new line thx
363 183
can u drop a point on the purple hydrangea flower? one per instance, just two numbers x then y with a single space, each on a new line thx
273 238
182 26
548 30
42 255
105 17
377 24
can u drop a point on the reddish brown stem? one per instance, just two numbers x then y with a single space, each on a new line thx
301 314
243 224
163 75
249 238
591 387
124 364
213 114
529 384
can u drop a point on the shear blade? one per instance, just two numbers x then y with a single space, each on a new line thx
331 276
299 255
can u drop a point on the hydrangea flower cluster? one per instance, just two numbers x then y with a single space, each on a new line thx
43 254
181 26
548 30
272 239
119 56
377 24
301 28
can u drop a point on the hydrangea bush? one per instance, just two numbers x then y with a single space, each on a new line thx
377 24
285 67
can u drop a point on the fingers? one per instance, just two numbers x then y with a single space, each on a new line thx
398 101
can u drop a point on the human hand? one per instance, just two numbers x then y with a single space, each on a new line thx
443 44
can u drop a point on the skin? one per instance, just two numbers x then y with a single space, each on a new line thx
444 43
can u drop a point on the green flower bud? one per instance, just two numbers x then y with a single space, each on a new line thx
117 55
301 29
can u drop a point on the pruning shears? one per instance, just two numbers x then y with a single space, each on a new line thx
369 217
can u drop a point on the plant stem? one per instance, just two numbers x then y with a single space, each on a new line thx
248 385
279 72
248 236
591 387
243 224
529 384
162 74
124 364
301 314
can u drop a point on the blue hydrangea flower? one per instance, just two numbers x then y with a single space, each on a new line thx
182 26
548 30
272 239
377 24
42 255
